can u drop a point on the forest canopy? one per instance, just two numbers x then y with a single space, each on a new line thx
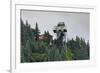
36 47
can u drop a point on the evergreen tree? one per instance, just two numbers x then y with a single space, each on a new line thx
37 32
34 50
79 48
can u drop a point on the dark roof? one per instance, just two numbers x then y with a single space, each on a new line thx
61 24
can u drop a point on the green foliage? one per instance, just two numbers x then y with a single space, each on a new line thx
38 57
37 32
54 54
80 48
69 54
26 52
35 50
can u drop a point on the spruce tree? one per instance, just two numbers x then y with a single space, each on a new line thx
37 31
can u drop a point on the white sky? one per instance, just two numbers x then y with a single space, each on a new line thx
77 24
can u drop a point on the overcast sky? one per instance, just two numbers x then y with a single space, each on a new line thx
77 24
